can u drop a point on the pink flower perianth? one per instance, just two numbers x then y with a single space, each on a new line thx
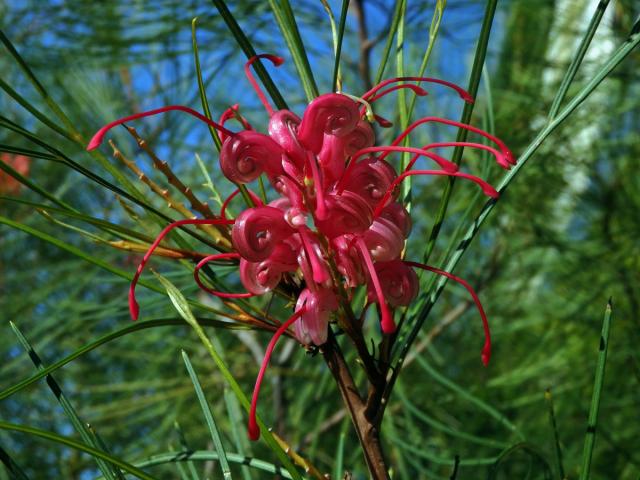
334 222
21 164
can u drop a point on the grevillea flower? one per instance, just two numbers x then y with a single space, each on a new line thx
334 222
21 164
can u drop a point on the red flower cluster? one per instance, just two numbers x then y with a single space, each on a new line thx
21 164
336 222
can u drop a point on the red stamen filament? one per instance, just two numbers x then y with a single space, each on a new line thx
210 258
277 61
254 430
445 164
486 349
507 154
466 96
386 319
416 89
486 188
97 138
254 197
320 274
500 158
134 309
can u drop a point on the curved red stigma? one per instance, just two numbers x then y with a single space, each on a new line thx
277 61
386 319
96 140
486 188
211 258
253 428
500 157
466 96
134 309
416 89
486 349
225 205
506 152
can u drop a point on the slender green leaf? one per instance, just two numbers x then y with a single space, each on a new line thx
201 89
206 455
77 446
289 28
393 28
211 424
249 51
592 423
81 427
182 307
135 327
474 82
12 467
578 57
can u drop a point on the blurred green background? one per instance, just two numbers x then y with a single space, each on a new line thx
562 240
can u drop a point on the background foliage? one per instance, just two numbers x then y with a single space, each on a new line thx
559 244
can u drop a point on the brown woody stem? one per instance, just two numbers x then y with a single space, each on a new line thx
366 425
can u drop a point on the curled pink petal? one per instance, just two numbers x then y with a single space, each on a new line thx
248 154
313 326
399 283
283 128
347 213
486 349
253 429
384 240
96 140
257 231
259 277
399 216
369 178
330 114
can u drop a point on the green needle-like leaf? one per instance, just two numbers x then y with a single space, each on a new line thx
592 423
211 424
182 307
127 467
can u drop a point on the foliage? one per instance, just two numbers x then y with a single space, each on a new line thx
561 240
